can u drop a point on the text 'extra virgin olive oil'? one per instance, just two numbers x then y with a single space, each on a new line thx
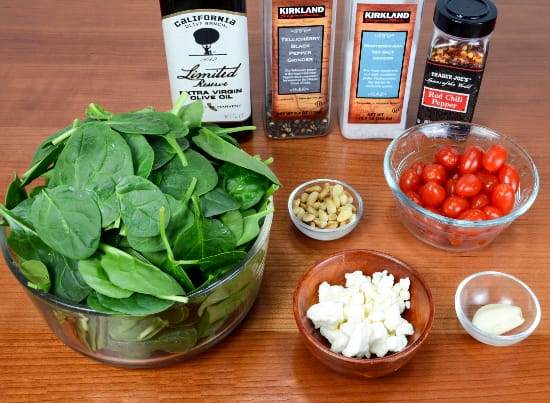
207 53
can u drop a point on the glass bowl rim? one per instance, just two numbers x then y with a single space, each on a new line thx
79 308
357 196
468 324
507 219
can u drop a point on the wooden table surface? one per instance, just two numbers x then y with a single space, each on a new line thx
56 56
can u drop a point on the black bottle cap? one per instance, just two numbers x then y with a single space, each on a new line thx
466 18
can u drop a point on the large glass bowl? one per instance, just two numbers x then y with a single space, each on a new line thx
420 143
157 340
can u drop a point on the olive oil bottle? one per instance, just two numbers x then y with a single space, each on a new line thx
207 53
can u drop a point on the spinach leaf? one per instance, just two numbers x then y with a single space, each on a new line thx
143 155
37 275
176 340
129 273
176 125
58 138
23 240
95 158
234 221
23 211
140 203
164 152
16 193
192 114
136 305
217 202
181 219
136 329
216 147
146 123
94 275
97 112
252 225
173 177
93 302
36 191
224 260
244 185
68 221
67 282
204 238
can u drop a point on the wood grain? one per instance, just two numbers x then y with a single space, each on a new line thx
56 56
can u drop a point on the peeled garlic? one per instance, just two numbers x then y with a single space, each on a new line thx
498 319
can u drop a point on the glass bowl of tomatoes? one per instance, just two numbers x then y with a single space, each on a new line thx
459 185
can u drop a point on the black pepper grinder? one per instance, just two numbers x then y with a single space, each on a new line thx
457 58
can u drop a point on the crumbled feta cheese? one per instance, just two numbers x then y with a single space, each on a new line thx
364 317
358 345
326 314
330 293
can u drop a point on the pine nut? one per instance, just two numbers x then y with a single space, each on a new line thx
315 188
308 218
312 198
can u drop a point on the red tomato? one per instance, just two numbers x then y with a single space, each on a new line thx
432 194
494 158
415 197
434 172
508 174
473 215
488 180
503 198
468 185
417 167
450 187
448 156
409 181
480 201
454 206
492 212
471 160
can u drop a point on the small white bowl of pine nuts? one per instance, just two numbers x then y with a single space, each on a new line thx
325 209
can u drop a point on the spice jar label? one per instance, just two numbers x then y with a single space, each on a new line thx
449 92
301 57
382 49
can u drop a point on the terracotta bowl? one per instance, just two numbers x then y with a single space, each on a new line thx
332 270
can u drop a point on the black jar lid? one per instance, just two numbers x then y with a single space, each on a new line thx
466 18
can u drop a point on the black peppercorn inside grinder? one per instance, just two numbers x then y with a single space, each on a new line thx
457 58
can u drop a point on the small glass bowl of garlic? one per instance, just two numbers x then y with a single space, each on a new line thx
496 308
325 209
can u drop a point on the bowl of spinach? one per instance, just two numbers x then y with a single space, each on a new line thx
141 237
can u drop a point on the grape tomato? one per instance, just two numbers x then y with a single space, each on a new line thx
503 197
434 172
471 160
409 181
473 215
480 201
454 206
448 156
494 158
468 185
509 175
432 194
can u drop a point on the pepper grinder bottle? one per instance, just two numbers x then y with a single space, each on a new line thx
456 61
299 48
208 57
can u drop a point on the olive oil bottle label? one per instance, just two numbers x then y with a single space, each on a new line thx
382 50
301 56
207 54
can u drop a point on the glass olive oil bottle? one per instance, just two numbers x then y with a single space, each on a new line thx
207 53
